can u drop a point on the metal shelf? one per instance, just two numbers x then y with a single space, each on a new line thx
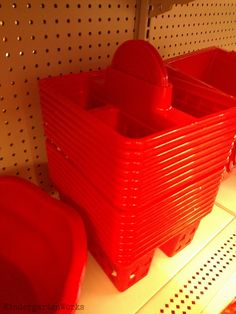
226 195
194 287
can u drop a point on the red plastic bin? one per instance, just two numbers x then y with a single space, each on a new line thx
42 248
211 70
212 67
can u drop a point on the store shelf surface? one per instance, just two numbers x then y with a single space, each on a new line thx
201 280
226 196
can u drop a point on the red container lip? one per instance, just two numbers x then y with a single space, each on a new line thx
104 209
29 204
207 50
75 174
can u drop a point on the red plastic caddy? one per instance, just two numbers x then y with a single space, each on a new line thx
141 172
210 71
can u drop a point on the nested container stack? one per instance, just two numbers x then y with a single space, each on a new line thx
210 71
141 172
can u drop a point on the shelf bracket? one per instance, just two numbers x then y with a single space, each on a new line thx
146 9
161 6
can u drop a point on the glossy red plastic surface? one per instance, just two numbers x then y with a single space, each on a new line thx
180 241
126 233
127 150
211 67
210 71
42 248
231 308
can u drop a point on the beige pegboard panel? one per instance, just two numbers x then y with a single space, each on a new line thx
43 38
191 26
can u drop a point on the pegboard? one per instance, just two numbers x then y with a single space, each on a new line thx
192 26
48 38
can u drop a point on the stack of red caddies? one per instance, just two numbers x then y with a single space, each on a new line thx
141 171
